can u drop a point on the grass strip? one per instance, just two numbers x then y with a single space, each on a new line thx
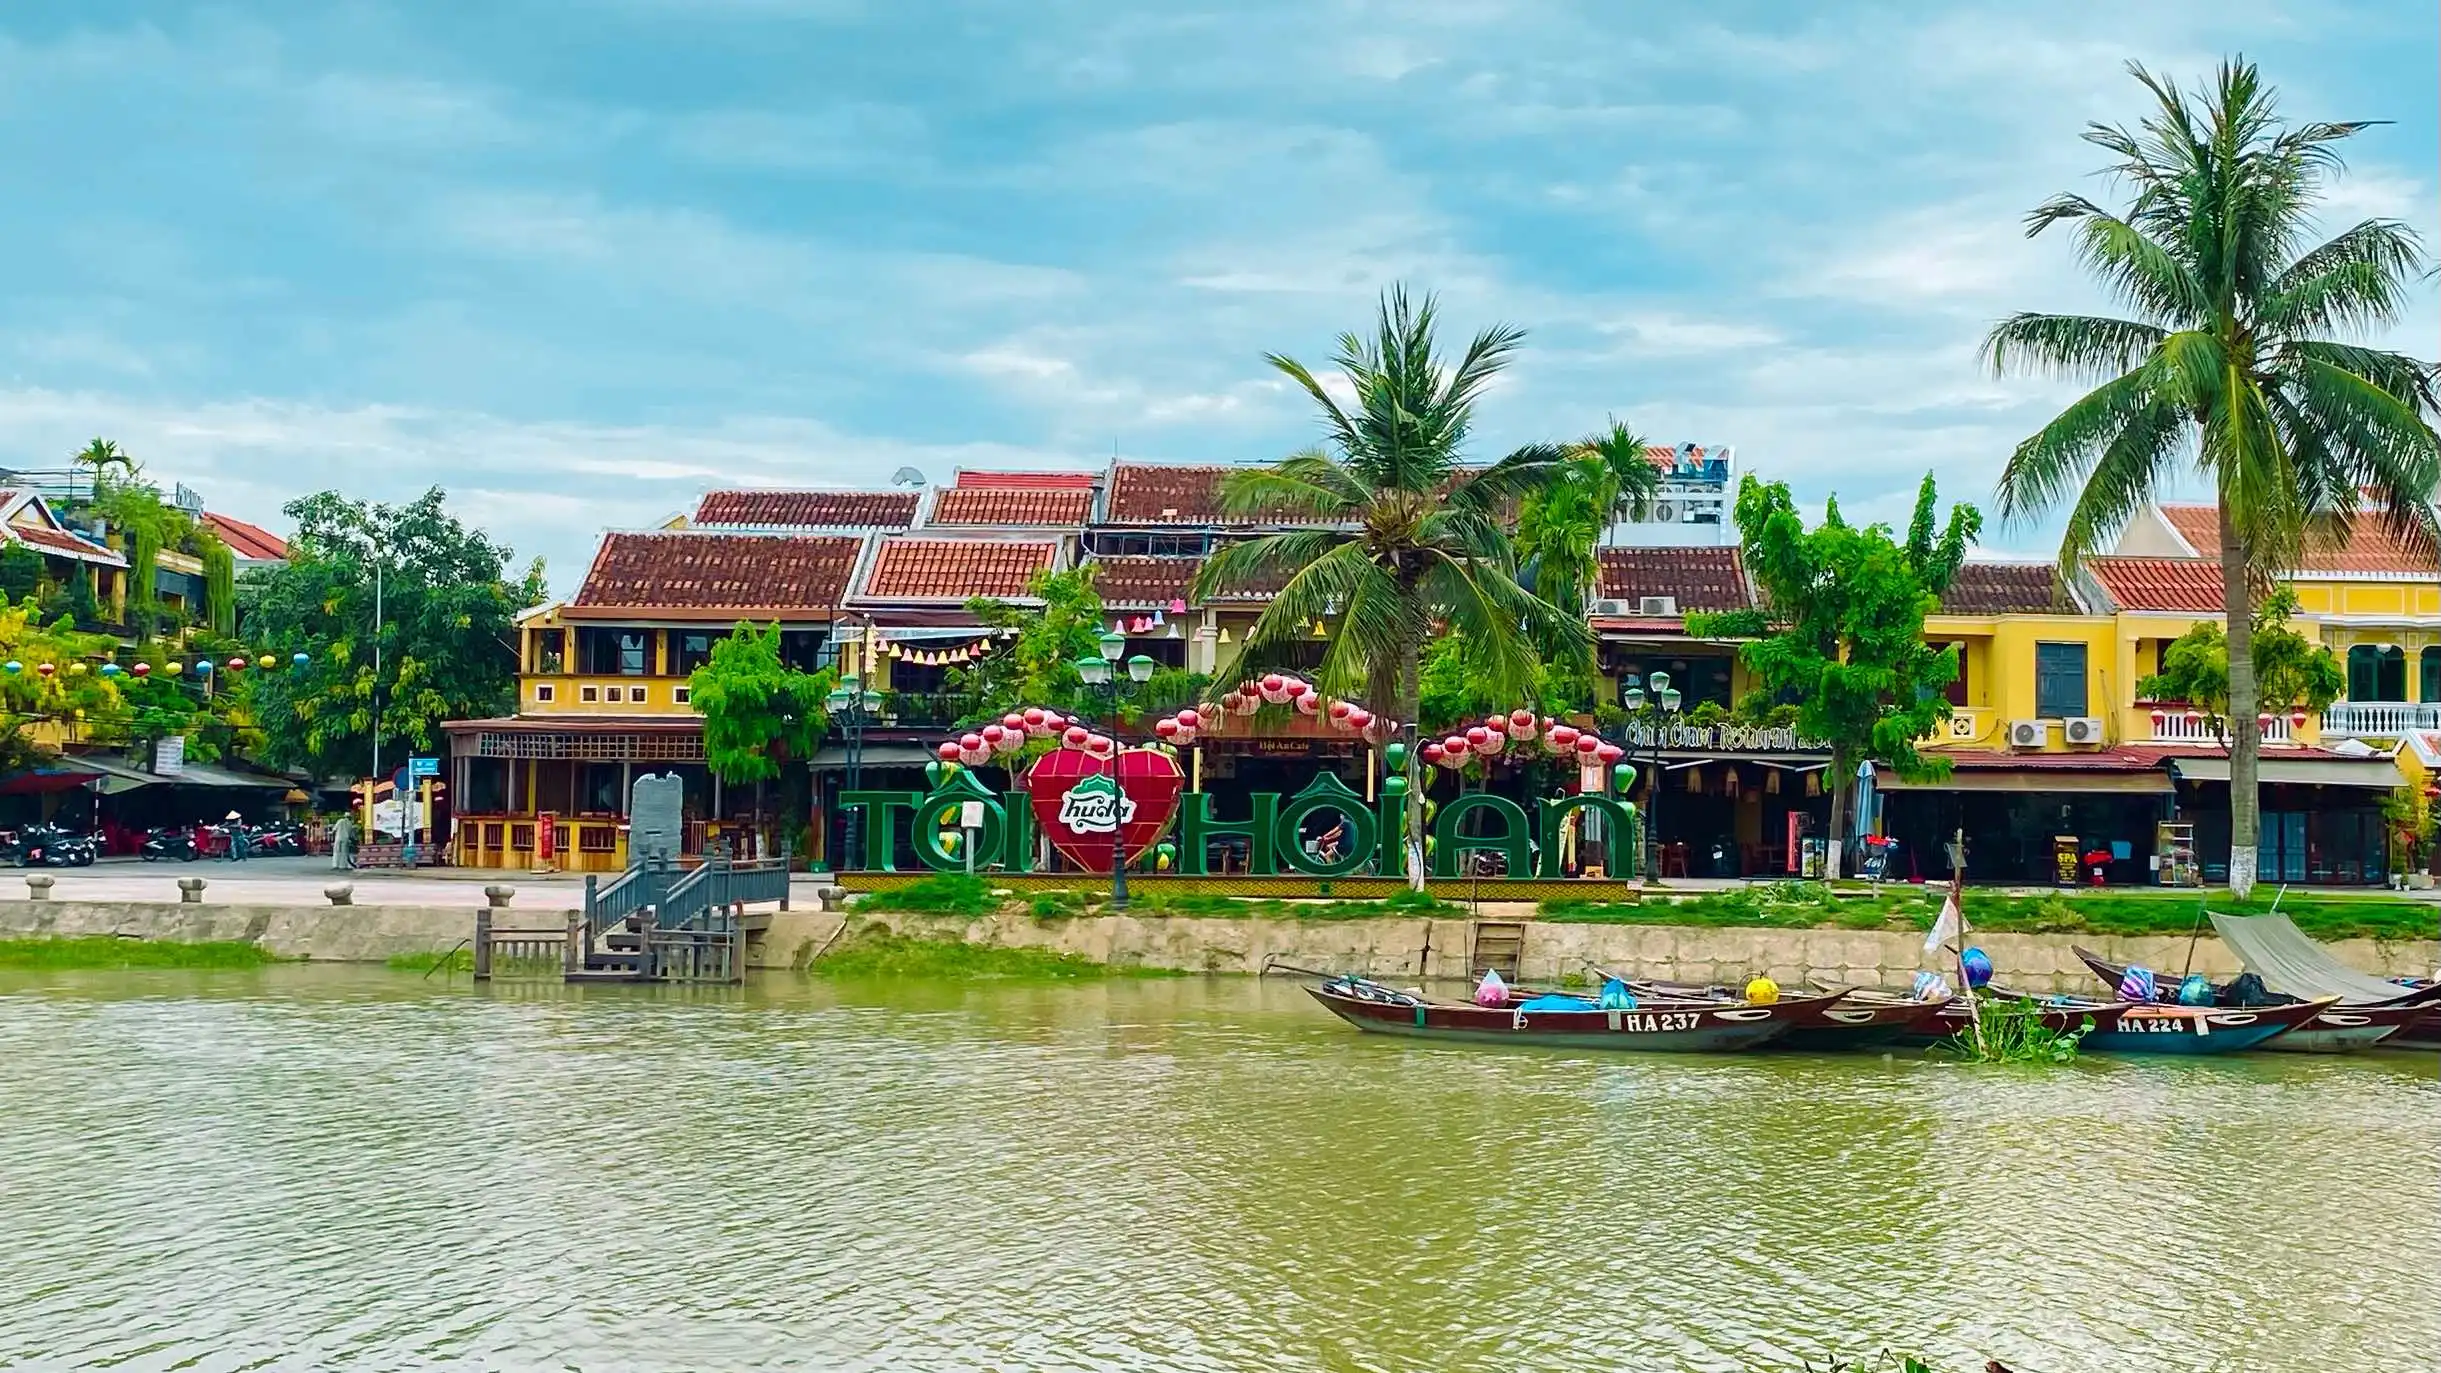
109 951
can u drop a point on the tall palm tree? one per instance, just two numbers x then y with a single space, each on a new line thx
1603 478
98 456
1407 541
2236 362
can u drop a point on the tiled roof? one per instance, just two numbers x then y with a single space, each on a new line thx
2179 585
918 569
66 544
688 574
1701 578
247 541
1012 505
1145 581
809 509
2370 545
2003 589
1144 493
969 479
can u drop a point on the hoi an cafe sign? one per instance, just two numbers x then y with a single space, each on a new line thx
1084 804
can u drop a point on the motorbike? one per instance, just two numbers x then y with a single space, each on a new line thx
160 845
49 846
279 840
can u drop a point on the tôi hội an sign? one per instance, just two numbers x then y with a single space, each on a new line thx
1084 805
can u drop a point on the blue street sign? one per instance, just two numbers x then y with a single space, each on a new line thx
423 767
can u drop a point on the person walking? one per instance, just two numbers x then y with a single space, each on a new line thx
237 837
343 843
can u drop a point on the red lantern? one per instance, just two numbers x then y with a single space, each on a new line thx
992 734
1340 710
1563 736
1477 737
142 669
1013 722
1359 717
1587 745
1307 703
1521 724
1457 745
2296 717
46 669
1075 736
1053 723
1432 753
948 750
1101 746
1607 754
1295 687
972 743
1497 724
1167 729
237 664
1190 719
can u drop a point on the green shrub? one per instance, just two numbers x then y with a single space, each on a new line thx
109 951
943 893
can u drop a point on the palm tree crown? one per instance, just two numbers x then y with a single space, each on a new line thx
1603 478
2233 360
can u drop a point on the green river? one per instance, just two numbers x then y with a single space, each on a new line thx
331 1168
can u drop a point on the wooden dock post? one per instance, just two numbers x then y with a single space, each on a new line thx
483 944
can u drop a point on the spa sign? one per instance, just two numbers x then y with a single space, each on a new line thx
1084 805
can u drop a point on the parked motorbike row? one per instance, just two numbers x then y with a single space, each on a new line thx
188 843
48 846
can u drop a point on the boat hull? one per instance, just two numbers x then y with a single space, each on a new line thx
1860 1025
2338 1030
2199 1030
1676 1027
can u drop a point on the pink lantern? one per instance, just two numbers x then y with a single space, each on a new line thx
1274 688
1248 702
1377 730
1296 687
1167 729
1075 736
1608 754
1521 724
1431 753
1477 737
1037 722
1587 745
1308 703
992 735
1562 738
1053 722
948 750
974 758
1013 722
971 743
1497 724
1341 710
1101 746
1457 744
1190 719
1359 717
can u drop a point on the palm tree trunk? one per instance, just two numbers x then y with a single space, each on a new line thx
1408 705
2245 731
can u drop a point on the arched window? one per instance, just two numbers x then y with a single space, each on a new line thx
2391 681
2428 675
2364 672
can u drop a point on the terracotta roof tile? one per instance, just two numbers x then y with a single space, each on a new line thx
2370 545
2180 585
1144 493
1140 581
1701 578
62 542
708 575
2004 589
809 509
919 569
969 479
247 540
1034 507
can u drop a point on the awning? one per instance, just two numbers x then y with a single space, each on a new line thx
2310 772
206 775
113 777
2129 782
877 756
63 776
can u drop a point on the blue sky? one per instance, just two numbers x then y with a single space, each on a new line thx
580 261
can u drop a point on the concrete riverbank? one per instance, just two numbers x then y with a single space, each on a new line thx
1390 948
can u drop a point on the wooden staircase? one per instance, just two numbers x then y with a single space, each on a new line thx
655 923
1498 947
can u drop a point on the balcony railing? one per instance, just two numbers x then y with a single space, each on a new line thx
2381 719
921 709
2177 724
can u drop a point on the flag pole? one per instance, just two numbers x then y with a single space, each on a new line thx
1957 904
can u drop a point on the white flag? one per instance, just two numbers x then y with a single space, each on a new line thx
1946 928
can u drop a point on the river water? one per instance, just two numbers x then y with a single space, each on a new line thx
319 1168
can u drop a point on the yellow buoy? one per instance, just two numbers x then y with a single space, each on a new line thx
1762 992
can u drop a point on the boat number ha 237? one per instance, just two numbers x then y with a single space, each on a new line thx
1646 1022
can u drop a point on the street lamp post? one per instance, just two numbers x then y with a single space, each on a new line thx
1102 673
852 703
1654 701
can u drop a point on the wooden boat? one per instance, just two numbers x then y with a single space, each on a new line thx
1951 1018
2423 1032
2341 1029
2157 1029
1657 1026
1855 1023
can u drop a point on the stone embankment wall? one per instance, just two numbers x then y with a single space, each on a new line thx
1396 949
339 934
1422 949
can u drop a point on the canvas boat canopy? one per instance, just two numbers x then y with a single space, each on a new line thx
2274 949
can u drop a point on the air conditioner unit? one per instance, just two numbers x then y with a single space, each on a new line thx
1610 607
2082 729
1656 605
2028 733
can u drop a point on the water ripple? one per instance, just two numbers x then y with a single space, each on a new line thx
313 1168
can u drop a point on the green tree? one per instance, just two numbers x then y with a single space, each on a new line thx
1841 631
20 572
1601 479
1035 666
759 714
2291 670
2235 361
1407 542
446 635
219 584
98 457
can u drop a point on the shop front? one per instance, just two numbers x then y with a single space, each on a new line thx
2020 814
2322 819
554 793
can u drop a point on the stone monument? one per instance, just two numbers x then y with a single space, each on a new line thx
656 818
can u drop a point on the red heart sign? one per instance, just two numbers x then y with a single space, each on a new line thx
1082 802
